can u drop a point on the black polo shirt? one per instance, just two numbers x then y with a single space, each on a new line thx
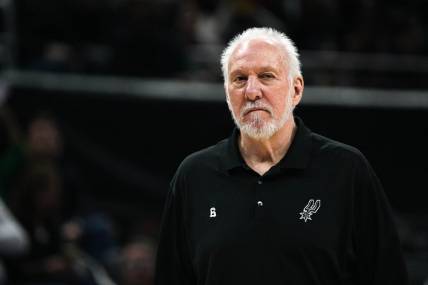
319 216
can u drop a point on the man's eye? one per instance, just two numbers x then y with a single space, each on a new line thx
267 75
239 79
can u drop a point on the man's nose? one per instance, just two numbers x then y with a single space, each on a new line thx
253 89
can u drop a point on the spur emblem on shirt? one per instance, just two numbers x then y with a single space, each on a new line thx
311 208
213 214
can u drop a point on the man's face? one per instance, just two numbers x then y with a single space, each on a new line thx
260 92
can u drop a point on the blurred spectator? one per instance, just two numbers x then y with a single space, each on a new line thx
56 57
43 143
58 246
45 193
137 260
94 234
37 204
44 138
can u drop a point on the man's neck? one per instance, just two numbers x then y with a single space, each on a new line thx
261 155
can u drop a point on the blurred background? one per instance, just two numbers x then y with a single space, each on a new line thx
100 100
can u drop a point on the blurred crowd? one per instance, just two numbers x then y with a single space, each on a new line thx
171 38
51 230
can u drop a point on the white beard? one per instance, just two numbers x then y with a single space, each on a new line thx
257 128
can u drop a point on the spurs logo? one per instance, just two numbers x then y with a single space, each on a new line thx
311 208
213 214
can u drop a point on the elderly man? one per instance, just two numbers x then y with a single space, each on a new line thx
275 203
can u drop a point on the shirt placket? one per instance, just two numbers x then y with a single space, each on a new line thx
259 203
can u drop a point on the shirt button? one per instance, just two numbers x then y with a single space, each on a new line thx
260 182
260 203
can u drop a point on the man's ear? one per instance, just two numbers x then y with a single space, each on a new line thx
298 86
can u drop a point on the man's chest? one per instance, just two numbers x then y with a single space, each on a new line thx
279 214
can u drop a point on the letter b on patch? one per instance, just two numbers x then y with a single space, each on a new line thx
213 214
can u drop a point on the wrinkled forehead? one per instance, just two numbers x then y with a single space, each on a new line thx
263 51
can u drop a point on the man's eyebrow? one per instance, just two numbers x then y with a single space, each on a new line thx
260 69
267 68
236 71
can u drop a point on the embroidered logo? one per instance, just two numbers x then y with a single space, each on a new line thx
311 208
213 214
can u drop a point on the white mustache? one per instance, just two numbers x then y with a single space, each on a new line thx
250 106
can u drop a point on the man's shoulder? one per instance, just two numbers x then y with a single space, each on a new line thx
334 149
208 157
341 158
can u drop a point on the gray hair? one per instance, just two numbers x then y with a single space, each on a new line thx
290 50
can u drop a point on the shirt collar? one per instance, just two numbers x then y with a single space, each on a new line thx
297 156
299 153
